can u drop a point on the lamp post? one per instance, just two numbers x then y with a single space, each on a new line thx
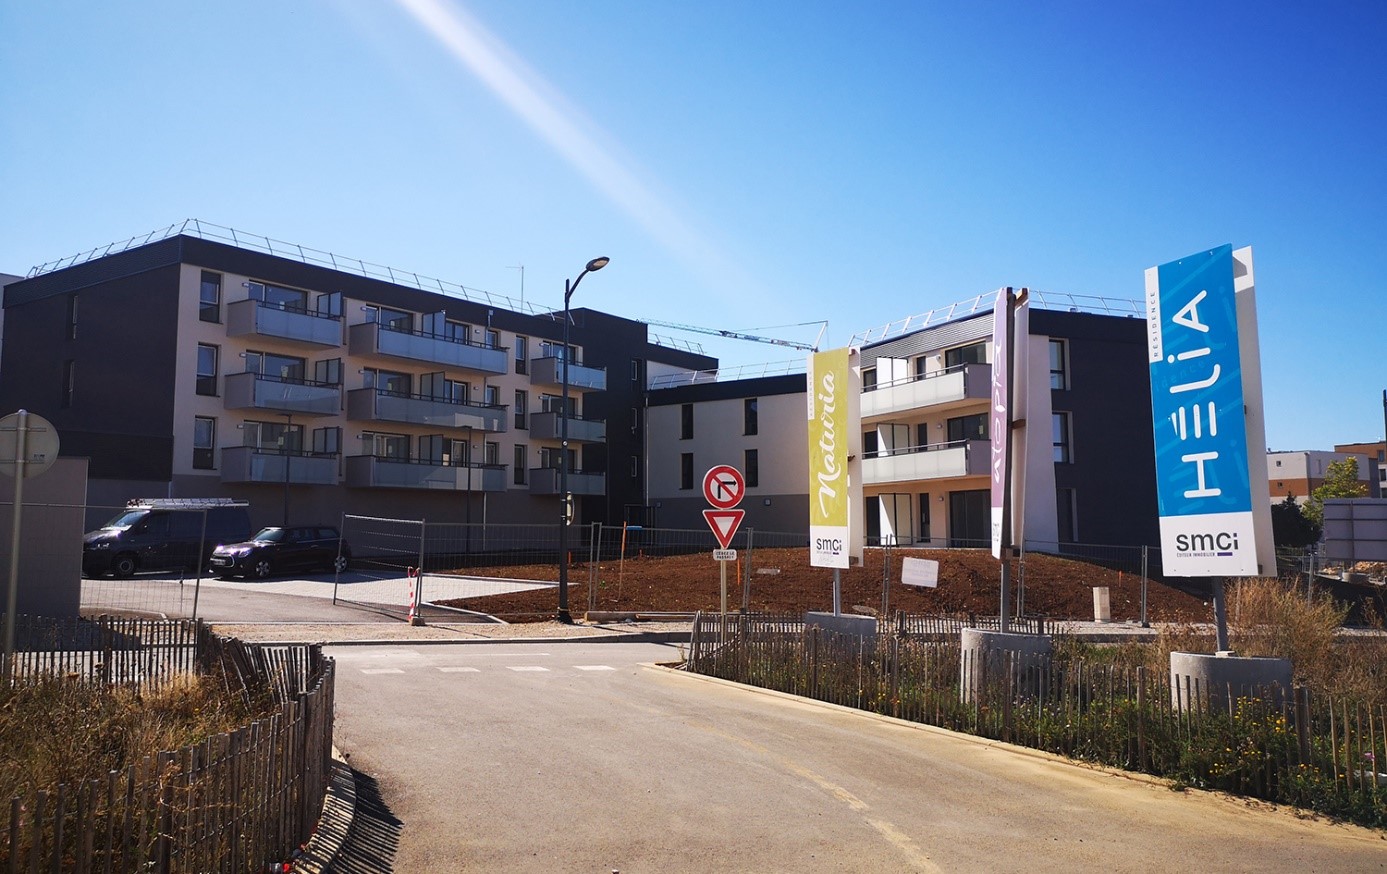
285 448
565 499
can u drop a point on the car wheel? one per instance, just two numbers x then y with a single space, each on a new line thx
124 565
339 563
260 568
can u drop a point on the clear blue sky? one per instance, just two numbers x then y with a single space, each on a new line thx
744 164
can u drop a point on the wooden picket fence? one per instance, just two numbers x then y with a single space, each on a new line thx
238 801
1283 745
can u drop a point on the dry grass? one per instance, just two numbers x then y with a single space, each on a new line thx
62 729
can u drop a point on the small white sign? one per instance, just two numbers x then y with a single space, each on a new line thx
724 555
920 572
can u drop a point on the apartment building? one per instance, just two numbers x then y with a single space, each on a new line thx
1375 455
1300 473
1090 474
758 426
209 363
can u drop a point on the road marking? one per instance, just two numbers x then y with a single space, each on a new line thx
460 670
381 671
528 668
595 667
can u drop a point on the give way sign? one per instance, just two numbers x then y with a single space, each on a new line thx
724 524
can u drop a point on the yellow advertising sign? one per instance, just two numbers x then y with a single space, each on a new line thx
833 390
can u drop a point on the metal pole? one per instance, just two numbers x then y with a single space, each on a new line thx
565 500
21 457
288 429
1144 623
1220 617
746 574
722 576
201 551
837 592
1003 615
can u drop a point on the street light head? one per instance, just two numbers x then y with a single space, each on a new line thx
598 263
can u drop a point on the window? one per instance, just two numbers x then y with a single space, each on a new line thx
491 453
635 467
549 349
636 371
521 400
69 382
277 296
749 423
391 320
1060 437
924 518
272 436
72 316
686 422
521 464
967 428
457 331
921 366
394 447
207 369
686 470
204 443
330 304
974 353
1059 360
869 379
327 441
491 396
209 300
869 443
493 338
329 371
272 366
388 381
522 353
752 468
554 404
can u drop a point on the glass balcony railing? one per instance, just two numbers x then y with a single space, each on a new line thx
935 461
548 426
379 405
958 386
371 471
549 371
545 481
255 391
376 339
250 464
253 317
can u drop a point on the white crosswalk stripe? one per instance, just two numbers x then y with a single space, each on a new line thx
595 667
528 668
459 670
381 671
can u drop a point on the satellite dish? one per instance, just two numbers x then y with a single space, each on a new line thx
40 443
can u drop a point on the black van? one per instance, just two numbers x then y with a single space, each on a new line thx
159 534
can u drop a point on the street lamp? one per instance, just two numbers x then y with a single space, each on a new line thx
285 449
565 499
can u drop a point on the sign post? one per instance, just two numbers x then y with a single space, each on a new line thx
1206 410
723 488
30 443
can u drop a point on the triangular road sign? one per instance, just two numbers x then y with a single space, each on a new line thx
724 524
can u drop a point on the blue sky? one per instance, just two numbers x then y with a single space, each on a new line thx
745 165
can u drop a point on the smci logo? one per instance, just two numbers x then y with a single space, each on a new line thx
1222 543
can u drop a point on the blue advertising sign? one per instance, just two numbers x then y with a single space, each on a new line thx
1197 410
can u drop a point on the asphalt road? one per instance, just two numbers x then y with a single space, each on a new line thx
573 757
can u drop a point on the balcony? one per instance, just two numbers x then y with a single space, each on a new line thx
379 405
545 426
549 371
248 464
545 481
373 339
247 317
952 388
254 391
937 461
370 471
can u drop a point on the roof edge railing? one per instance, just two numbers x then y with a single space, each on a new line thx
303 254
984 303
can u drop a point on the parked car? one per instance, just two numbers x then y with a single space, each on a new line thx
160 534
278 549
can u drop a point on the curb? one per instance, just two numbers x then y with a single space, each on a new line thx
636 637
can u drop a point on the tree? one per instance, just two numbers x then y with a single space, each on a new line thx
1290 526
1340 481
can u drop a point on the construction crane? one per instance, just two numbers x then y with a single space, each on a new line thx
754 338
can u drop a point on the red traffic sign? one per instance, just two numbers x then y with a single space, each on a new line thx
723 487
724 524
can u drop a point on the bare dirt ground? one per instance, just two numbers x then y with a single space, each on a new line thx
783 582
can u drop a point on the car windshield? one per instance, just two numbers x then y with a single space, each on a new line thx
126 519
270 535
